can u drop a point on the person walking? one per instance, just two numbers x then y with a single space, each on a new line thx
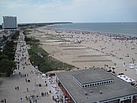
21 100
27 89
5 101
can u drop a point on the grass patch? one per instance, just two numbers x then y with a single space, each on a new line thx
32 41
46 63
41 58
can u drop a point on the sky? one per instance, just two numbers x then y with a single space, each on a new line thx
41 11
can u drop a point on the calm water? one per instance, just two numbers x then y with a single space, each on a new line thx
114 28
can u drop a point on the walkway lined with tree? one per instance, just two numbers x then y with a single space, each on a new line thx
7 64
26 84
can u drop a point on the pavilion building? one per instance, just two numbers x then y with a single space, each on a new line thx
95 86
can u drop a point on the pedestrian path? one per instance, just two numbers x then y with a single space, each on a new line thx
26 84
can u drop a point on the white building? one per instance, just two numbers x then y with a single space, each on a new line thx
9 22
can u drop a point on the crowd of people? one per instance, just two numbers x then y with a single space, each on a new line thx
30 87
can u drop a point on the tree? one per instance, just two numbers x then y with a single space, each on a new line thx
3 57
6 66
9 50
15 35
4 37
7 56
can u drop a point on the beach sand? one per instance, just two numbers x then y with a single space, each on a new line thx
90 49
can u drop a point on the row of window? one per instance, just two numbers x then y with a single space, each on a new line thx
98 83
118 100
92 84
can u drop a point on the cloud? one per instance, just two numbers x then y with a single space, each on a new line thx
70 10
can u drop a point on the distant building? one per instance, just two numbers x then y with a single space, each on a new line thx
9 22
95 86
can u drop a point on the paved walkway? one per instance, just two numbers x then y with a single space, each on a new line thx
26 85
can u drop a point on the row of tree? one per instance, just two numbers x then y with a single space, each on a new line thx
7 64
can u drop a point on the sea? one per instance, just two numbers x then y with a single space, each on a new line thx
126 28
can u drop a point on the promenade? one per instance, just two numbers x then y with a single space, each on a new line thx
26 85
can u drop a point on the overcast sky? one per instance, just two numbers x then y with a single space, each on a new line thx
34 11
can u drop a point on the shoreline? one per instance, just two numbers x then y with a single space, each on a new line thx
103 32
121 52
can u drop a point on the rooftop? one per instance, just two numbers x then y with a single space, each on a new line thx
91 76
117 89
9 16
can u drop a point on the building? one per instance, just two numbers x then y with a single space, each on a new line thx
95 86
9 22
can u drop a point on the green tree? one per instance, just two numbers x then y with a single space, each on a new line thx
15 35
4 37
3 57
9 50
6 66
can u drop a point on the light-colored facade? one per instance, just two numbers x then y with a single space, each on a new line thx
9 22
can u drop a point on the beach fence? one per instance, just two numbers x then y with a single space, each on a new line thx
92 61
92 55
74 48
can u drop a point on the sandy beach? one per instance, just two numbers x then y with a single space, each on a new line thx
84 50
90 49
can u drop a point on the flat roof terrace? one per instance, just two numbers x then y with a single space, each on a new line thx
116 90
91 76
